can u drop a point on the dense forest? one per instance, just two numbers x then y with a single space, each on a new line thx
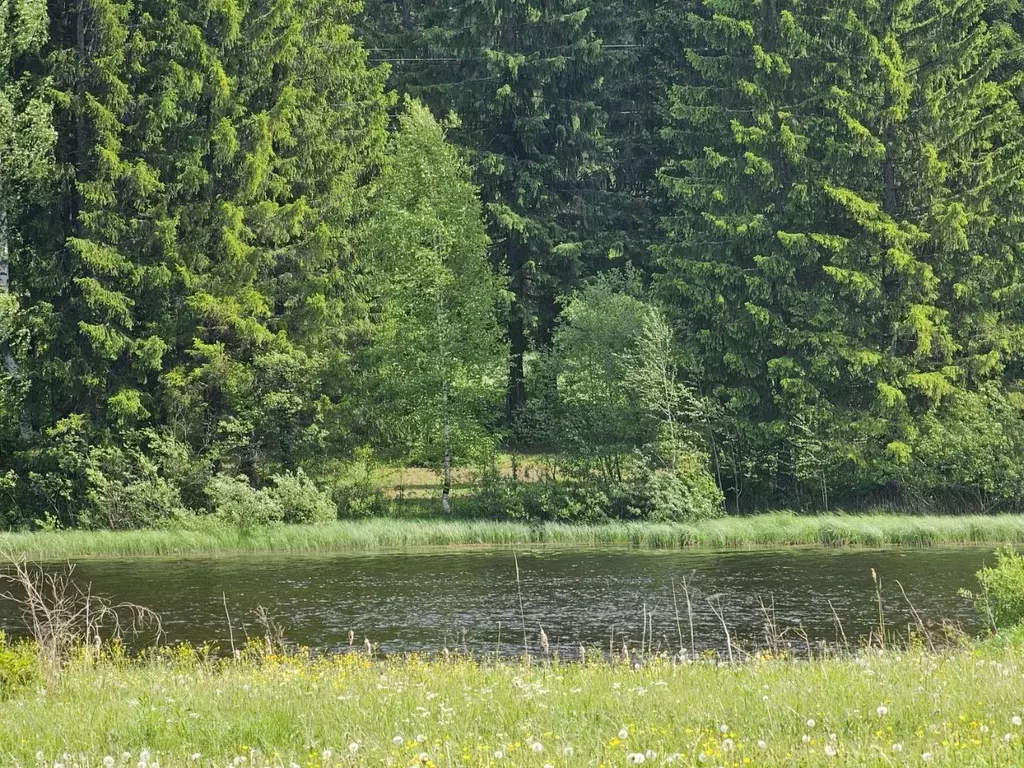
689 257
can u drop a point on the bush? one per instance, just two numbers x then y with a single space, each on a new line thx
687 493
235 501
301 501
127 491
18 666
1002 589
358 494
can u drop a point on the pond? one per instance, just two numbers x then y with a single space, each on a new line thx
469 599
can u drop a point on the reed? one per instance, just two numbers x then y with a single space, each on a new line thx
772 530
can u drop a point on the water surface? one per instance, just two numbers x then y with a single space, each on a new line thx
429 600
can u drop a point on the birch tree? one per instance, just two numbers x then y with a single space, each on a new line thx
438 351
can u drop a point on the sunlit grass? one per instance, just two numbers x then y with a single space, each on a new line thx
769 530
959 708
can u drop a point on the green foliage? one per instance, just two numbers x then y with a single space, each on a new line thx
236 502
1002 589
19 666
229 254
438 354
301 501
831 260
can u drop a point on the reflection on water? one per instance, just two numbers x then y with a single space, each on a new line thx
425 601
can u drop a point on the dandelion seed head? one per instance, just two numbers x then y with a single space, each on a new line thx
882 710
636 758
537 747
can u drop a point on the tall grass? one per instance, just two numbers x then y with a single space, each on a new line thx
760 531
957 709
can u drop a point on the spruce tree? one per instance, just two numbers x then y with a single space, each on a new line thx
526 81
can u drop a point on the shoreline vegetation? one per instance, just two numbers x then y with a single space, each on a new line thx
765 531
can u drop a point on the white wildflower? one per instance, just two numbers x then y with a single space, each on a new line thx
397 741
108 762
728 745
762 744
897 747
623 734
882 710
830 751
424 757
636 758
723 728
926 756
353 747
498 754
810 723
537 747
805 739
1016 720
420 738
567 751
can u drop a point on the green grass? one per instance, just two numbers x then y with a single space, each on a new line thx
769 530
949 709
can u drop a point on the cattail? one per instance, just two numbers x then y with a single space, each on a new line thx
544 640
351 638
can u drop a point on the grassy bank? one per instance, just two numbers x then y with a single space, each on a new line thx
955 709
769 530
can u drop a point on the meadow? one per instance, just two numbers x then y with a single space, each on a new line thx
758 531
962 707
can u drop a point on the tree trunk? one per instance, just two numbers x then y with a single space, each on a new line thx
516 393
446 460
5 268
81 140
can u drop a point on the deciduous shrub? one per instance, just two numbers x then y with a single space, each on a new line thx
301 501
236 502
1002 589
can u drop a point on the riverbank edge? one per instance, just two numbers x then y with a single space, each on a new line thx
766 531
